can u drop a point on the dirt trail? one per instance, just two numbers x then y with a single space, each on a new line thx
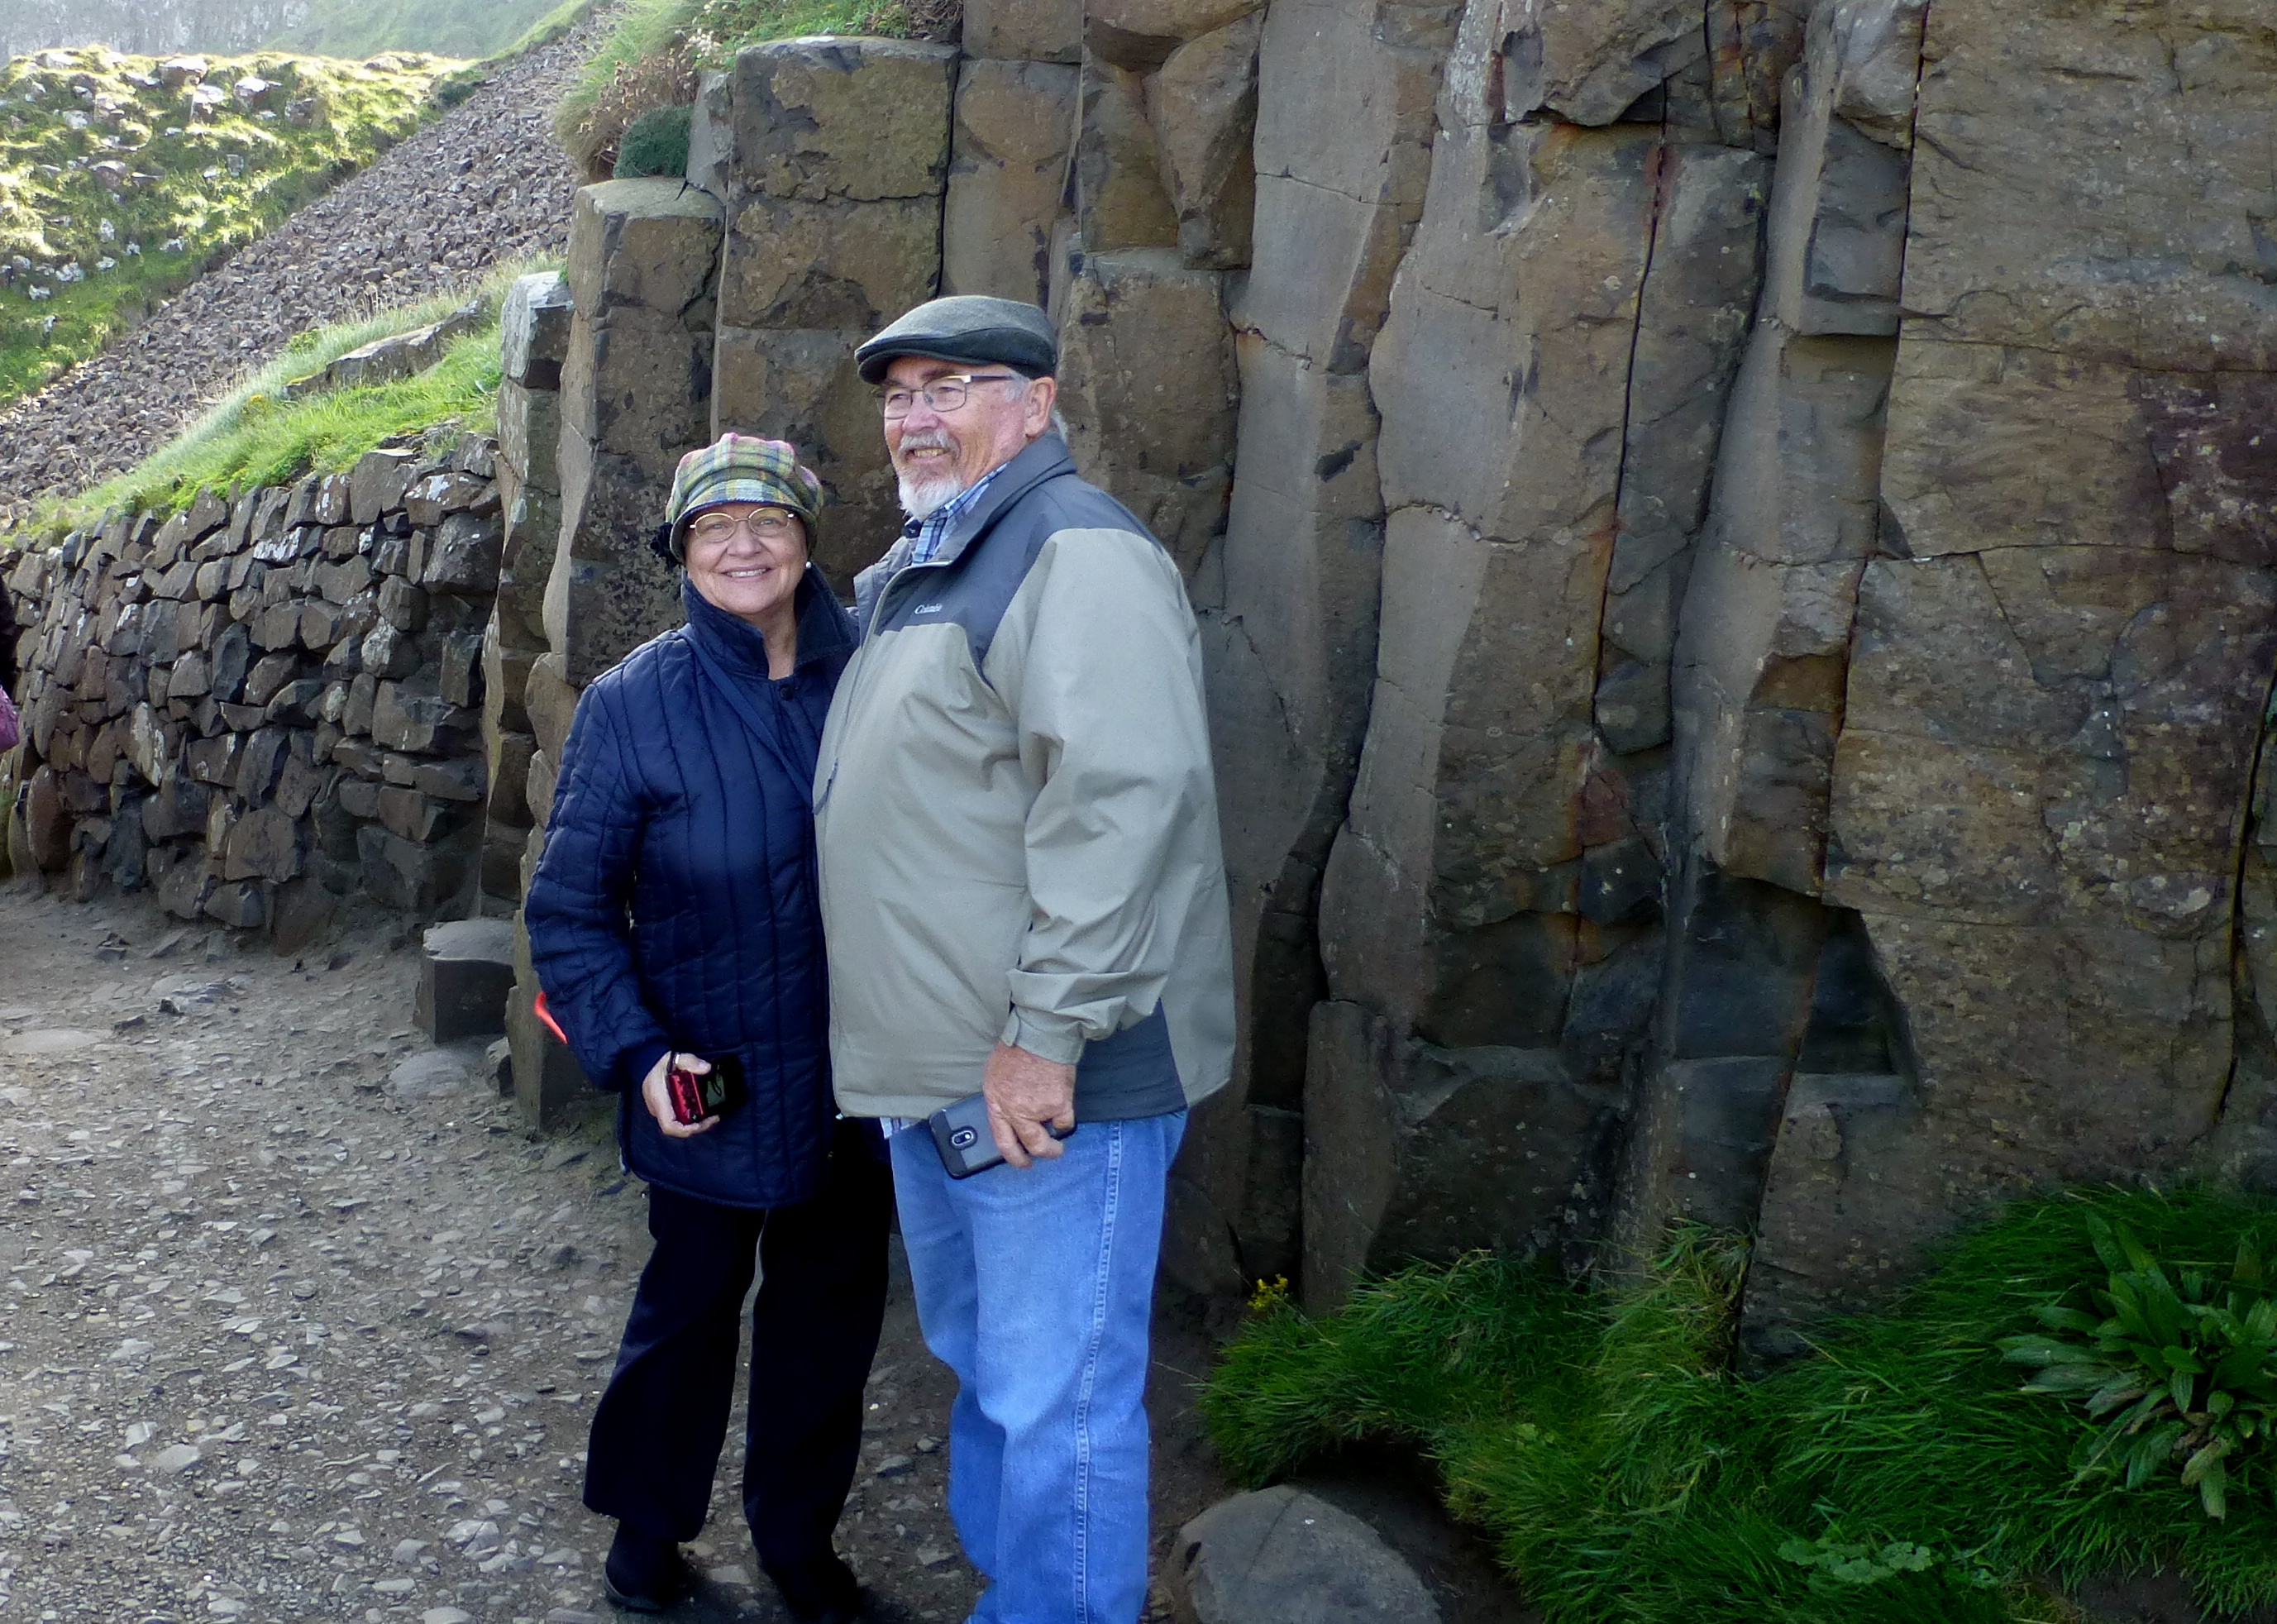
279 1343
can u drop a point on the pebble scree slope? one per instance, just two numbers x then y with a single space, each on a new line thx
481 183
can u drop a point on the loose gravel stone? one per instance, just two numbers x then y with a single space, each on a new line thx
361 1322
277 1345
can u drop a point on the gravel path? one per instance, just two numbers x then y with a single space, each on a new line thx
282 1343
482 184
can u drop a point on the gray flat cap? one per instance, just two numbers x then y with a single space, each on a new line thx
969 328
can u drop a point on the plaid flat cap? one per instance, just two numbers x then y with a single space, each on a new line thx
740 468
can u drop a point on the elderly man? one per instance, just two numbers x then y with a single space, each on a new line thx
1023 898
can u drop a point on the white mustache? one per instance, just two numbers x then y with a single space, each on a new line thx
926 439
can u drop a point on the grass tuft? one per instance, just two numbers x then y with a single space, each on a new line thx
255 436
1897 1473
657 48
563 18
449 27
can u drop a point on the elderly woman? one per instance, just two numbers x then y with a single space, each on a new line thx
674 927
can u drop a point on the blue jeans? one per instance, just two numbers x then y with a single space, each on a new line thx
1036 1287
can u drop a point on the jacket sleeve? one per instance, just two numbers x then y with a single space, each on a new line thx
1102 668
576 913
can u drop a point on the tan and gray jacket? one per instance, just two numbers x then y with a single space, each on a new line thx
1017 818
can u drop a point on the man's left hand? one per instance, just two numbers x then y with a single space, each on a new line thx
1027 1096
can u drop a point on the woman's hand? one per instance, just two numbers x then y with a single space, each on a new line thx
658 1097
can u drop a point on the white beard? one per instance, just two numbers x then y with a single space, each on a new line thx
922 495
921 499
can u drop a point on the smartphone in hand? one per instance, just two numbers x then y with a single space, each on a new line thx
696 1095
967 1144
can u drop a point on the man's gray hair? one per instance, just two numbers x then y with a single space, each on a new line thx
1059 418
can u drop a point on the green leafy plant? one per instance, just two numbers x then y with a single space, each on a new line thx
2177 1367
1626 1475
655 143
1837 1562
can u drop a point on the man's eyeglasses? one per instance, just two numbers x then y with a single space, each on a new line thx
766 523
943 394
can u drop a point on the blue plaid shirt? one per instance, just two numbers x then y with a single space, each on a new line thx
925 535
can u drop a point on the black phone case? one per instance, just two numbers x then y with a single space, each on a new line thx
960 1134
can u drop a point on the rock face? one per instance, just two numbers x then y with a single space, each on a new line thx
2042 783
1733 546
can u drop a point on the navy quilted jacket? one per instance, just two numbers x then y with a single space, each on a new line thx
675 906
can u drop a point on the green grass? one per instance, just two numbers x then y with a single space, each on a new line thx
1897 1475
656 47
564 17
83 262
448 27
254 435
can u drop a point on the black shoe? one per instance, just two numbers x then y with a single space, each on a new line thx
644 1573
824 1592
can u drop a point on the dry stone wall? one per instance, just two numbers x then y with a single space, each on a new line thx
268 704
1732 541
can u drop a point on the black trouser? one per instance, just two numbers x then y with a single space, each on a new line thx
659 1430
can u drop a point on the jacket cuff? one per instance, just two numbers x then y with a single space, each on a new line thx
1048 1037
632 1064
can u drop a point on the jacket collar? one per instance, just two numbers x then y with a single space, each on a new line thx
1045 458
824 630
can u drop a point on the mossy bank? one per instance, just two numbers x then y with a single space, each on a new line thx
121 178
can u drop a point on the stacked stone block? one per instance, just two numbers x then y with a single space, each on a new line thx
535 337
829 157
267 704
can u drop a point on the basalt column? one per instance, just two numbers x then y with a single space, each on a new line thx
830 156
636 397
1761 975
2064 639
636 388
1288 601
1160 184
536 339
1550 379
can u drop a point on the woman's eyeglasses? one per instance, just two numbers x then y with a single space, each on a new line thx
769 525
